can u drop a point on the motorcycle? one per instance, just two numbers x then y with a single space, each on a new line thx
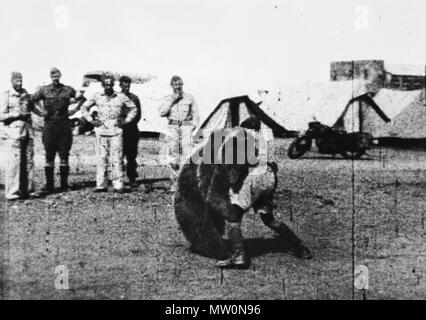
329 140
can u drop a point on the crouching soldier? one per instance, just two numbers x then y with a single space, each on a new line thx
115 111
15 113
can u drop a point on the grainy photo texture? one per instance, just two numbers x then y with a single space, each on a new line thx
212 150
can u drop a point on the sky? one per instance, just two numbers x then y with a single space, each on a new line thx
219 47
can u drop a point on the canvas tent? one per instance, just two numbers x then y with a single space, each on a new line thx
362 114
407 112
147 87
232 112
344 104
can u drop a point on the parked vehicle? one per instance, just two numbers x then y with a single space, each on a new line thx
330 140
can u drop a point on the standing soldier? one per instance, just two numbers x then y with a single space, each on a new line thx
115 111
15 113
182 112
131 132
57 132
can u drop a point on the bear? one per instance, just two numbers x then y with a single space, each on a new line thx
220 182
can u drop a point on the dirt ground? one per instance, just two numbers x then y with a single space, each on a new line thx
130 247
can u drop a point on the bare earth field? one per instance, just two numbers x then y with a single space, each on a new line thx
130 247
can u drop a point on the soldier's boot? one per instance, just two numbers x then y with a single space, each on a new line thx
238 258
50 184
300 250
64 172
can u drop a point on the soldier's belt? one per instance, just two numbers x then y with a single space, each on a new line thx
180 122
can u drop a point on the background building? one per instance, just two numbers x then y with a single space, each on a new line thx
377 74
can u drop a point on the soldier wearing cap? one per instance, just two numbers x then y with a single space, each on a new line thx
181 110
57 132
115 111
15 113
131 132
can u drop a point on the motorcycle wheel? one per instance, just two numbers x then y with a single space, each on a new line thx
352 155
299 147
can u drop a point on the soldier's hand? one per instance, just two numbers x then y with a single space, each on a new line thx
121 123
13 116
96 123
8 121
178 97
273 166
25 97
24 116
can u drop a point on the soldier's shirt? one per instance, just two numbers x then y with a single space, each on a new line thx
260 180
110 110
13 103
184 110
56 102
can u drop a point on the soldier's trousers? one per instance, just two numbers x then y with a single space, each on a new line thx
179 141
57 138
130 150
109 151
19 167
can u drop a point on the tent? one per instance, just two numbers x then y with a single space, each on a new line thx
407 111
232 112
362 114
343 104
147 87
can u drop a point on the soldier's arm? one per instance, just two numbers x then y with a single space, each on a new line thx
73 95
165 107
78 103
6 116
131 109
195 114
38 95
138 110
36 107
77 107
86 107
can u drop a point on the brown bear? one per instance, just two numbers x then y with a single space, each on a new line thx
220 182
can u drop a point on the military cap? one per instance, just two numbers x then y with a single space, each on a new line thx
16 75
54 70
106 76
125 79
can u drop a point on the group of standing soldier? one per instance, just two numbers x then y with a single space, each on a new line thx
232 190
116 129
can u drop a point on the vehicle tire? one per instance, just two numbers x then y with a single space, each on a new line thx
299 147
353 155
